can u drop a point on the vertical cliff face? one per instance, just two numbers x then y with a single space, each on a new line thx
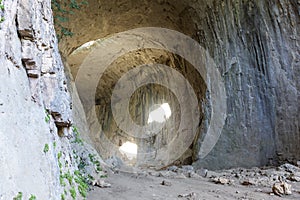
35 106
256 46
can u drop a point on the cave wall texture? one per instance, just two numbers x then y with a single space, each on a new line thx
254 43
35 106
256 46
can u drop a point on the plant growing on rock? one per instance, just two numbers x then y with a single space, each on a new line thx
1 6
77 183
19 196
77 136
32 197
47 117
96 163
62 10
1 11
46 148
73 193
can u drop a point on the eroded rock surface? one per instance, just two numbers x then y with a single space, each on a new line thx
255 45
35 105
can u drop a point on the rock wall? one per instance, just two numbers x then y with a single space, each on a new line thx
255 45
35 105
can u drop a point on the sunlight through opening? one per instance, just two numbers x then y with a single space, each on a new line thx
129 149
160 114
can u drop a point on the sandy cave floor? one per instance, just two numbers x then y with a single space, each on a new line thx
241 184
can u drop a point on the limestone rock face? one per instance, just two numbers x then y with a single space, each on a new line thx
255 45
35 106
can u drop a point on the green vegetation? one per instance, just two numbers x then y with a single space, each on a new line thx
69 177
73 192
77 182
32 197
79 179
2 10
62 11
59 165
59 155
19 196
103 176
77 136
61 180
95 162
82 182
1 6
46 148
59 162
61 177
47 117
81 164
54 145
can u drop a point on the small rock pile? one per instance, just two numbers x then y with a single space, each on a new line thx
186 171
278 179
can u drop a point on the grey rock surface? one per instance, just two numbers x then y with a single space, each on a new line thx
255 45
35 105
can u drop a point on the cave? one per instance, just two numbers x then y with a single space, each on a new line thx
120 45
161 99
162 76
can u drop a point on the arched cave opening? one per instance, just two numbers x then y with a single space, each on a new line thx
151 104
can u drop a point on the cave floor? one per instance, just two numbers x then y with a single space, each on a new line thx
238 184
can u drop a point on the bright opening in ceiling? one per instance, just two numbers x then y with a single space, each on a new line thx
96 35
160 114
88 46
129 149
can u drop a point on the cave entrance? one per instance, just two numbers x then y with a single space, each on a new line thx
152 105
